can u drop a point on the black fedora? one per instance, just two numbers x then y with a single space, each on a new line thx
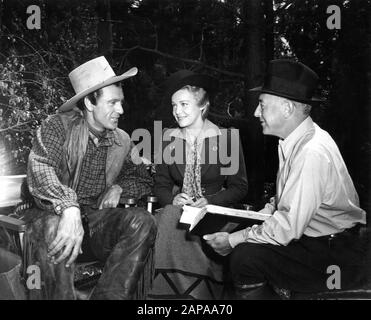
290 79
181 78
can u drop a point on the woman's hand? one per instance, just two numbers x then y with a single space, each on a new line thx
200 203
181 199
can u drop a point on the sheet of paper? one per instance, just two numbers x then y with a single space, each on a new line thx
238 213
198 217
189 214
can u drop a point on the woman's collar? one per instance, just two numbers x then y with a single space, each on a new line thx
209 130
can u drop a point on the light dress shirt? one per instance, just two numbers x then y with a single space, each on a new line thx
315 195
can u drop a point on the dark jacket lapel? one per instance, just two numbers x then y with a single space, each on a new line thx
181 166
209 153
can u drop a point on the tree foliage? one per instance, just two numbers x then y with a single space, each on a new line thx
33 70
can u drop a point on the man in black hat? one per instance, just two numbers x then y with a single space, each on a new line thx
316 216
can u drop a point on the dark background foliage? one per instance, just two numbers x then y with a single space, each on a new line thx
232 40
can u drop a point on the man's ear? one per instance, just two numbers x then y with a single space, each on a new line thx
88 105
289 108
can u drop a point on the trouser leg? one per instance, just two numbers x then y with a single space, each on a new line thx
56 280
124 239
301 266
256 291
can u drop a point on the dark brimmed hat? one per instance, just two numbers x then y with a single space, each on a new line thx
91 76
290 79
181 78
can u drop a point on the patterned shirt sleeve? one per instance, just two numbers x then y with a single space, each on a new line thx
134 178
44 168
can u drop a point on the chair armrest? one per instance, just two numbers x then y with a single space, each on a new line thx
247 206
128 202
152 199
12 223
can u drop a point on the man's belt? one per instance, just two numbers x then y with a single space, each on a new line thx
353 231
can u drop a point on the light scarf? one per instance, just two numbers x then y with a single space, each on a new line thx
192 172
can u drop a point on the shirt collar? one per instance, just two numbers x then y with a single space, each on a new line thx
209 130
105 139
289 143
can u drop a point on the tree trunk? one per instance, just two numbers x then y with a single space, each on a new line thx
1 15
270 142
105 43
253 52
349 97
269 30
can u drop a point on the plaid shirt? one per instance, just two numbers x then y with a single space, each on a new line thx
45 170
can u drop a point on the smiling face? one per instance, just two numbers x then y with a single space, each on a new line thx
107 110
270 112
187 110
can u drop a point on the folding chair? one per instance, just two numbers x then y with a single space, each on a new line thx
87 273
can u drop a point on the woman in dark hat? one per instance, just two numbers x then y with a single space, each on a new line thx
195 178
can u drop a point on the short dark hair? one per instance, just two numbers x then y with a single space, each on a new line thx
306 108
93 97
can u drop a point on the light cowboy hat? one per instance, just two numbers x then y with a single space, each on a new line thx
91 76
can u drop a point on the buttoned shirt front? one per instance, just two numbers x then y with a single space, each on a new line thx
315 193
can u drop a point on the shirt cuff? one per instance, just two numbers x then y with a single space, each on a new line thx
268 209
61 206
238 237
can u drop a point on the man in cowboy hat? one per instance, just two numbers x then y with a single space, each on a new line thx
315 216
80 168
